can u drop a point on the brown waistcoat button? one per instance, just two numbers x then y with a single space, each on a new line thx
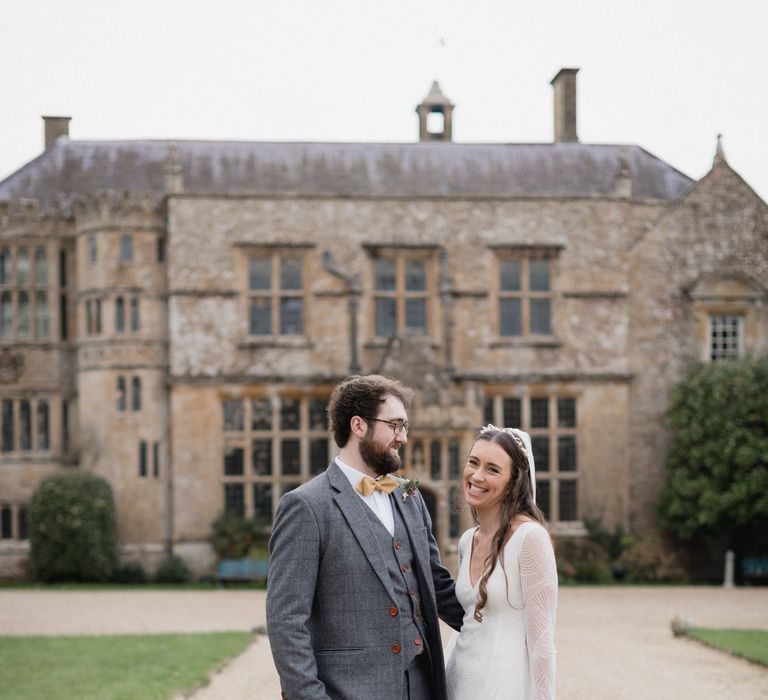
393 612
395 648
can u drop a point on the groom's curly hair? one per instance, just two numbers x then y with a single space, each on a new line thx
361 395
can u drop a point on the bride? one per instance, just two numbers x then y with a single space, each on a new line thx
507 579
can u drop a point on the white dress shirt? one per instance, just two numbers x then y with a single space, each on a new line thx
378 501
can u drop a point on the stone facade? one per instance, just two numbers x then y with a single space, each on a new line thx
201 308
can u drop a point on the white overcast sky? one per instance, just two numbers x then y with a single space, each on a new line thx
668 75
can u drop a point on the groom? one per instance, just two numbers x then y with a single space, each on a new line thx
355 580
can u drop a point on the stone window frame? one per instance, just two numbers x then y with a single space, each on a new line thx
401 255
92 315
126 314
119 314
514 408
143 459
721 338
134 318
275 253
30 282
525 254
242 429
125 248
128 393
14 522
39 421
726 294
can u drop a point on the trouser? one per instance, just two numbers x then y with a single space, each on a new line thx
418 679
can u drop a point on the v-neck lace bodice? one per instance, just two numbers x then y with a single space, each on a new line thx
510 655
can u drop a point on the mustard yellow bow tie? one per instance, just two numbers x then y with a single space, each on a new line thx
367 486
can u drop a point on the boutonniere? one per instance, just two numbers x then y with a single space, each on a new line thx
408 487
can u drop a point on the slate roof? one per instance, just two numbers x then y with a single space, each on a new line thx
73 167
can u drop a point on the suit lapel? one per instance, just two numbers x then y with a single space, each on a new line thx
353 510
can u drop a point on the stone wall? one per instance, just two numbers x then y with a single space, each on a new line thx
718 230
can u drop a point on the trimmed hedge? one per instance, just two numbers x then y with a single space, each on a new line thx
73 529
173 570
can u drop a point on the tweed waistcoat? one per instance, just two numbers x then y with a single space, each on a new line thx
398 556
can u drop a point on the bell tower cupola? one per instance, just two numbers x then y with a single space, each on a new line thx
435 116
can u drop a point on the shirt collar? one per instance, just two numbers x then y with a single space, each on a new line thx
354 475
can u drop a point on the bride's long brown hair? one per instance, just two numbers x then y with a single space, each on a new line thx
518 499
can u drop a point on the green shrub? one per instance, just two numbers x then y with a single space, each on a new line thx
613 542
72 528
233 536
582 560
646 562
130 572
173 570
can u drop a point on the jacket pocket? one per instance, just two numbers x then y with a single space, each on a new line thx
339 650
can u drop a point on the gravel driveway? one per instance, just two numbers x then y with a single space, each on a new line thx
613 642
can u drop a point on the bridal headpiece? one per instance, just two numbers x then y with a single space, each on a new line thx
491 428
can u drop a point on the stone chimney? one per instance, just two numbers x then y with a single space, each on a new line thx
174 177
437 104
55 127
564 84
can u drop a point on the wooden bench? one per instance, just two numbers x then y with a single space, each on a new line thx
245 569
755 568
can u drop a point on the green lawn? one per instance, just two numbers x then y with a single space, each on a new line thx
124 667
749 644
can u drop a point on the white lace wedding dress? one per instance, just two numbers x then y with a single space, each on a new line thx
510 655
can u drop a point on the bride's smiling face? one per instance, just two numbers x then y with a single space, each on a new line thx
487 474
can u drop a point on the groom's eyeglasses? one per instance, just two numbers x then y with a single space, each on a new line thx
399 427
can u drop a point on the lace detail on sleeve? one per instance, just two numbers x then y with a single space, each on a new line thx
538 577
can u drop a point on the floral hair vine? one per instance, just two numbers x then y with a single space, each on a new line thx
491 428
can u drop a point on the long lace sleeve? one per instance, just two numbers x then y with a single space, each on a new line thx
538 576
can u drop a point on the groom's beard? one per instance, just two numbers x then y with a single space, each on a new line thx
379 458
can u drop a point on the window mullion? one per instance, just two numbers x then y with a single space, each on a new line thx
525 295
399 292
276 291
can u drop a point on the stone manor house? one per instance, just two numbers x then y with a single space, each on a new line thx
173 315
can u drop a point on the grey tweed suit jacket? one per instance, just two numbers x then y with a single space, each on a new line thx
331 616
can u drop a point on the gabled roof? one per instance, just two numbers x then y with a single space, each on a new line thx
71 168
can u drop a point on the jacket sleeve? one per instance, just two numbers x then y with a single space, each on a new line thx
293 569
448 607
